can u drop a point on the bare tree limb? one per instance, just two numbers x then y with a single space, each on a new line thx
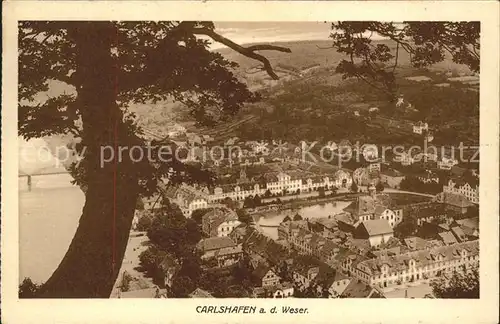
396 58
247 51
267 47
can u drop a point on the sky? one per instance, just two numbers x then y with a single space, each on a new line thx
265 32
262 32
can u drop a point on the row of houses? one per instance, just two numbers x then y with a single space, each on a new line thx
190 199
416 266
277 183
457 191
303 272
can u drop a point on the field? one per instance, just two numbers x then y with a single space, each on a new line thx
319 104
312 102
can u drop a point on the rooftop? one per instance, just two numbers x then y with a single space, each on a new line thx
472 223
143 293
377 227
448 238
215 243
200 293
457 200
357 289
421 257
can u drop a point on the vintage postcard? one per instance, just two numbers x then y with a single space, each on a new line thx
256 162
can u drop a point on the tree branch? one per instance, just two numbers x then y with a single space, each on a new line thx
247 51
396 59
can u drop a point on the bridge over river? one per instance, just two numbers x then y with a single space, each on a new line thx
41 180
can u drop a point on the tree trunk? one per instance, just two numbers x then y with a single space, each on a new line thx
91 265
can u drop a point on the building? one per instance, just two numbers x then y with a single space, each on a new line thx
446 163
427 177
189 200
306 242
376 231
222 249
359 289
459 234
281 290
170 267
304 271
375 206
278 183
420 128
391 178
454 202
405 158
447 238
470 227
219 222
265 276
425 211
417 265
468 187
261 247
334 282
200 293
228 255
415 243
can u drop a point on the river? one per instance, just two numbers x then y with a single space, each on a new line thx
48 214
270 221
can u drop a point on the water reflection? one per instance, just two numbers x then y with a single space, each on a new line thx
271 220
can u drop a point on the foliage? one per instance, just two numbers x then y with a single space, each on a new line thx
411 183
354 187
257 200
408 227
462 284
249 202
173 232
28 289
317 109
379 187
150 260
182 286
242 272
309 292
197 215
126 279
243 216
426 42
321 192
140 204
144 223
231 204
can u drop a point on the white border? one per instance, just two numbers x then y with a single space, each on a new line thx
483 310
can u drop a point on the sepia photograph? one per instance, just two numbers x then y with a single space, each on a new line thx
284 160
266 160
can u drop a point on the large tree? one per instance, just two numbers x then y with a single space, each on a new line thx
110 65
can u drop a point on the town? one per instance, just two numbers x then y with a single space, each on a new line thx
276 225
344 165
